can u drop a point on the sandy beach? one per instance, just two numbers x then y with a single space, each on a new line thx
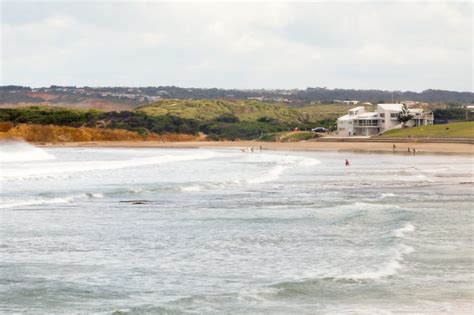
381 147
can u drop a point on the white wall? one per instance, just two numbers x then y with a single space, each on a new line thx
344 127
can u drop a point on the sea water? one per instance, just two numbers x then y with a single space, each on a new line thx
159 231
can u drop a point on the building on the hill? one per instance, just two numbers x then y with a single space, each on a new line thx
358 122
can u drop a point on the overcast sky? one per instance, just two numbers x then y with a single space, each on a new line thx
362 45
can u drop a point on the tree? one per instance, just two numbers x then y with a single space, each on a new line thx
404 115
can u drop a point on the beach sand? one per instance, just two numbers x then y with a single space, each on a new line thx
402 148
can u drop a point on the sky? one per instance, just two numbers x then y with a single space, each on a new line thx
389 45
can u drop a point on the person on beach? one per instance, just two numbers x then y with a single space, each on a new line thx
394 147
347 162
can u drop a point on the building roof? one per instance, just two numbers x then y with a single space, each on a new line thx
397 107
346 117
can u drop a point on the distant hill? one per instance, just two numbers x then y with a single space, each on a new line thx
120 98
320 94
204 110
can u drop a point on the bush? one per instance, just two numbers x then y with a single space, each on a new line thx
455 113
228 118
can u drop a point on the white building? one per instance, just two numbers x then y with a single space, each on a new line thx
358 122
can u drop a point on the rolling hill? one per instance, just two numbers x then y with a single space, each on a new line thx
204 110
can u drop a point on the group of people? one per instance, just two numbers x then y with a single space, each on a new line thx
394 147
250 149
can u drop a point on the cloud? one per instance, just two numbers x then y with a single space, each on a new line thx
389 45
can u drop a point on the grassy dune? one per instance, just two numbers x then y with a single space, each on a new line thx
454 130
319 112
210 109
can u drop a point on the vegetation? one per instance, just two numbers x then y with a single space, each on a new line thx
217 119
243 130
324 114
298 136
206 110
454 130
404 115
450 113
48 115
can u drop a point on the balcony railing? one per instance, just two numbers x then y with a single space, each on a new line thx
366 123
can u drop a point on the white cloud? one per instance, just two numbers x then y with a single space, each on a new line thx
387 45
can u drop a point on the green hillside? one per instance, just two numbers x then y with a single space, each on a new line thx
205 110
454 130
218 119
319 112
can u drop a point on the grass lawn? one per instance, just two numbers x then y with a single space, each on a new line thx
453 130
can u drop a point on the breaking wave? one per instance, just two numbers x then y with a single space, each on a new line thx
38 201
19 151
279 163
405 229
65 169
389 268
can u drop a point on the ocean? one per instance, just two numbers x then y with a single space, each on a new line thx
219 231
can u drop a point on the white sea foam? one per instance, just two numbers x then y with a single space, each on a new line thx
65 169
95 195
405 229
191 188
49 200
273 165
389 268
282 164
37 201
19 151
256 295
387 195
272 175
358 205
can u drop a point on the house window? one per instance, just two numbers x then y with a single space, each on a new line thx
394 115
382 114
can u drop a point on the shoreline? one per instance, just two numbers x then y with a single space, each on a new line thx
360 147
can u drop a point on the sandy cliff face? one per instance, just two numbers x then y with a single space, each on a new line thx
54 134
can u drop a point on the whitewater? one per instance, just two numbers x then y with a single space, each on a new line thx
212 231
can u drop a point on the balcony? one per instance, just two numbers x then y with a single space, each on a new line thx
367 123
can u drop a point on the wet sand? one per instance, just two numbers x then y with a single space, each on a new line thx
383 147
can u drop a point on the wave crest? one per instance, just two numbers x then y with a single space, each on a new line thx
19 151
